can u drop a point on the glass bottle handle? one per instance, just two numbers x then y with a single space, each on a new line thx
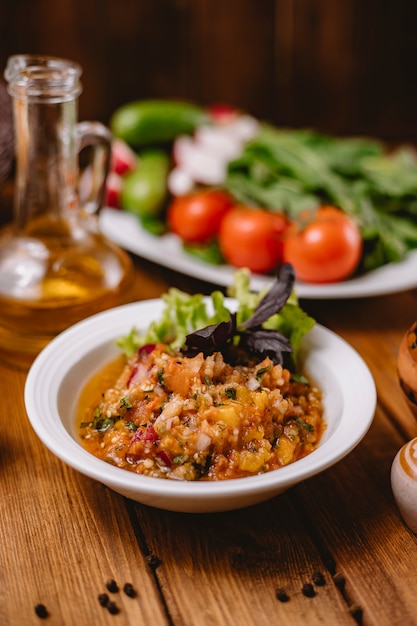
92 185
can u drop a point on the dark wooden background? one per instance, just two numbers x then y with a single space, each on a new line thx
341 66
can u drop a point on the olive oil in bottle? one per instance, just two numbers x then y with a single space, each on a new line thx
56 268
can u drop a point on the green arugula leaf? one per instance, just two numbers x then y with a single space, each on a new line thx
293 170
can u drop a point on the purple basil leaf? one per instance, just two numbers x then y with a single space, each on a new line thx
211 338
274 299
267 343
252 337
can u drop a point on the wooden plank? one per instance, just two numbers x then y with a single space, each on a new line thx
360 322
63 535
284 58
324 56
343 67
353 514
228 567
234 44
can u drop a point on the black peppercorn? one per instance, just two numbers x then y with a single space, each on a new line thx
103 599
357 613
339 581
112 586
318 579
282 595
129 590
41 611
153 561
308 590
112 608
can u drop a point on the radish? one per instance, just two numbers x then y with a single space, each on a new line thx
200 164
243 128
123 158
219 141
179 182
222 113
205 157
114 186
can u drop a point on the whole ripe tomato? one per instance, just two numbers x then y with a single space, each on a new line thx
252 238
196 217
326 249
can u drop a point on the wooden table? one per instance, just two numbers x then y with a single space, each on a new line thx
63 536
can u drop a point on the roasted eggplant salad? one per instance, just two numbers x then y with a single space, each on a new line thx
207 393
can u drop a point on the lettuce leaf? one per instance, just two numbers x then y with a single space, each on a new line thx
267 322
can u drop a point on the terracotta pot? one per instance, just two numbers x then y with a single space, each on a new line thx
407 367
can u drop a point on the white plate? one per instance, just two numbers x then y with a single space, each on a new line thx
124 229
73 356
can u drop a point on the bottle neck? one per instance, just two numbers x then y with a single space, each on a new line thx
45 93
46 160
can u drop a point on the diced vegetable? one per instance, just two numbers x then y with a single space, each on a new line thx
196 217
325 247
145 189
148 122
252 238
123 158
199 164
205 156
114 187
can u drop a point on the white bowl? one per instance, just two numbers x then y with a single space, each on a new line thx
63 367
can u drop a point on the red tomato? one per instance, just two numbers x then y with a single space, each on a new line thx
252 238
328 249
196 217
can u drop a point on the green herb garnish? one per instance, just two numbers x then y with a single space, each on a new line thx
267 323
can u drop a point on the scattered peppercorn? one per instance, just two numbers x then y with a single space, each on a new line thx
41 611
103 599
129 590
339 581
308 590
282 595
112 608
153 561
112 586
357 613
318 579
